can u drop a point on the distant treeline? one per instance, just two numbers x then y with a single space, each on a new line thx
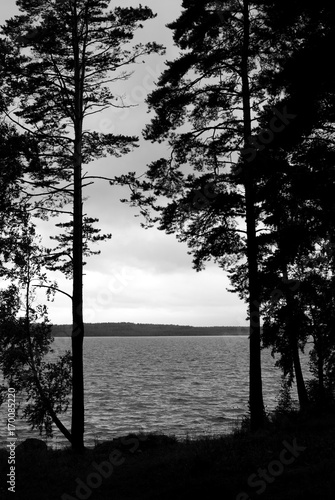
142 330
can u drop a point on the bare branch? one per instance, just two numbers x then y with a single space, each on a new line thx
54 288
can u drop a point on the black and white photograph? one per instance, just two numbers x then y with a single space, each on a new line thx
167 250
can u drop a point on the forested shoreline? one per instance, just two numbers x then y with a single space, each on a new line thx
150 330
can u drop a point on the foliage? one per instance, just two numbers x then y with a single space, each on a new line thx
60 257
321 399
18 157
26 339
56 382
23 349
285 404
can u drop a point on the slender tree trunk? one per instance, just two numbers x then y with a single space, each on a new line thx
301 387
291 331
77 425
320 366
255 374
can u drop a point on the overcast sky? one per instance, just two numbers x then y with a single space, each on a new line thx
141 276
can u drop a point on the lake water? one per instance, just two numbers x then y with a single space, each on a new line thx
173 385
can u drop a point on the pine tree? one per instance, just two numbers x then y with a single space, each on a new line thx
205 104
71 52
299 195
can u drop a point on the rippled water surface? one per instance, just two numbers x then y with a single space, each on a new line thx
173 385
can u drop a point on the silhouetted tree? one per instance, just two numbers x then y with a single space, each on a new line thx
18 158
317 299
25 340
304 81
72 50
206 104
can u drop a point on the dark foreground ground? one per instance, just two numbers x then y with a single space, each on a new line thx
292 460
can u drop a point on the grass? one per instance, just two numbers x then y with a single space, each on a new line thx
157 467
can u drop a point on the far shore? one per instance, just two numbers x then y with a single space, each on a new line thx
150 330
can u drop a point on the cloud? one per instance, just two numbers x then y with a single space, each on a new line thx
127 293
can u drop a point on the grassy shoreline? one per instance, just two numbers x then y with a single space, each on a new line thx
292 459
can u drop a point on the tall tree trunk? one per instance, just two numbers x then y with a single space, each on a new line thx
255 374
301 387
77 424
320 366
